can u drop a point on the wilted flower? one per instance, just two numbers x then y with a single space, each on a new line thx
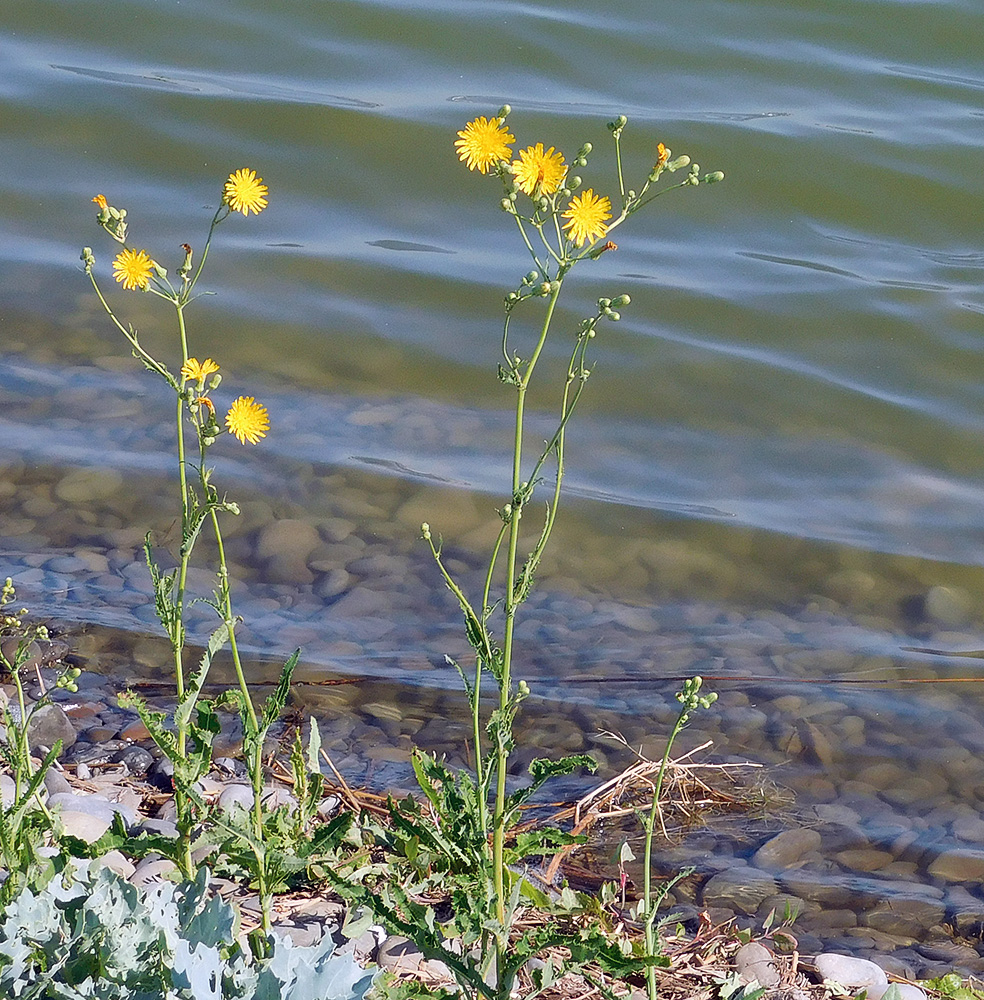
484 143
245 192
133 269
539 171
662 155
587 214
247 420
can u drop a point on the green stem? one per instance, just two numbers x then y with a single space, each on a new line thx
647 860
511 605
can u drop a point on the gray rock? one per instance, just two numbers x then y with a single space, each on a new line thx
137 759
152 870
958 864
786 848
277 797
161 827
754 963
94 805
7 790
85 826
116 862
854 973
741 889
301 935
55 781
948 605
235 797
905 916
84 485
48 725
399 954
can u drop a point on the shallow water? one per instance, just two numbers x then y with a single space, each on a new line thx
775 477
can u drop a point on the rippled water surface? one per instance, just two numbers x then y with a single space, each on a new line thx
775 477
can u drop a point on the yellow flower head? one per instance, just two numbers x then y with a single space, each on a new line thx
483 143
247 420
100 200
133 269
192 371
587 214
245 192
662 155
539 171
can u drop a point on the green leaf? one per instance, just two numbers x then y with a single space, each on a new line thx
275 703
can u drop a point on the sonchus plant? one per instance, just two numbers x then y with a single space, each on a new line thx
195 384
561 224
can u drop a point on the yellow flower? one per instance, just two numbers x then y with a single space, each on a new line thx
133 269
245 192
587 213
100 200
192 371
483 143
247 420
662 155
539 171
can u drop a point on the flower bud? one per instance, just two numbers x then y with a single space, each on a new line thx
613 316
604 304
574 182
584 150
506 205
531 277
523 688
621 300
511 298
680 161
503 112
713 178
87 258
425 530
544 288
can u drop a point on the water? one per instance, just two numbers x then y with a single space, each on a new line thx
779 449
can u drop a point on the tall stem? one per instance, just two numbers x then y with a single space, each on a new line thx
511 605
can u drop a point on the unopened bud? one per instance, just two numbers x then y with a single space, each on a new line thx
713 178
680 161
503 111
621 300
574 182
506 205
613 316
425 530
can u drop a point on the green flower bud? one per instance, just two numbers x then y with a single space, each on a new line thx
88 260
425 530
630 194
713 178
621 300
531 277
503 111
506 205
585 150
523 688
554 286
544 288
574 182
680 161
613 316
604 304
511 298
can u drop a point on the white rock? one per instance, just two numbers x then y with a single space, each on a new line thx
853 973
906 991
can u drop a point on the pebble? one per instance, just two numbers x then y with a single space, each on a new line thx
754 963
853 973
786 848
